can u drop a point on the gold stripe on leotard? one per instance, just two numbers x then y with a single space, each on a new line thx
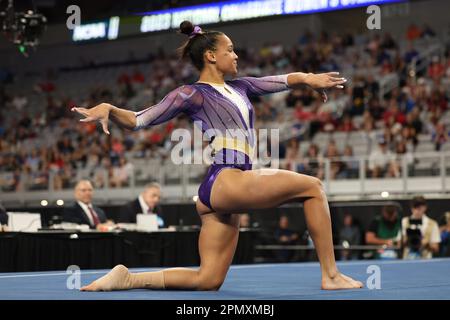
234 144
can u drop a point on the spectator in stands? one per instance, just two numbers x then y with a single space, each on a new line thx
350 164
386 67
332 153
64 178
65 146
349 235
427 32
436 69
294 97
410 54
123 78
284 235
138 77
292 155
413 121
266 112
121 173
388 42
373 45
380 158
413 32
402 154
314 165
368 126
83 211
45 87
393 114
385 230
301 114
408 136
358 96
372 87
146 203
347 124
421 237
440 136
102 173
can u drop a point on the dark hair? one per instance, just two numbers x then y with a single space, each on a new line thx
195 47
418 201
390 209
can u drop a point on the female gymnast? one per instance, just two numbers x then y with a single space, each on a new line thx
229 187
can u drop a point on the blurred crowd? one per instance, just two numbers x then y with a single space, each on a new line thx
54 148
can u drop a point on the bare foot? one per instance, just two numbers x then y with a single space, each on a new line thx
117 279
340 281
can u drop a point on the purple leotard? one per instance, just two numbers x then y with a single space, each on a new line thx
207 106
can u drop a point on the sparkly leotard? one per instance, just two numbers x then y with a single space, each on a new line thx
218 114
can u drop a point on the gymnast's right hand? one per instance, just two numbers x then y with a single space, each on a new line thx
98 113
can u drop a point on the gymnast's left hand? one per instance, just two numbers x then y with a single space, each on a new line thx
98 113
322 81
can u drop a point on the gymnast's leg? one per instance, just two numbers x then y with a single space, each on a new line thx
236 190
217 244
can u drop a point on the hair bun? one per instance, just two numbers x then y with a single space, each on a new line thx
186 27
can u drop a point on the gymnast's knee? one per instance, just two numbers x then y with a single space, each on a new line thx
317 187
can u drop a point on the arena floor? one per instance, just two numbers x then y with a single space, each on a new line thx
400 280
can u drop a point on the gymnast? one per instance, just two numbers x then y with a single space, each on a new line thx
230 186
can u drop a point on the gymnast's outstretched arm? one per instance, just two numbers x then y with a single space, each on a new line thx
271 84
171 105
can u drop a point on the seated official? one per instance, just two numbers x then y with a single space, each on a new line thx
146 203
83 211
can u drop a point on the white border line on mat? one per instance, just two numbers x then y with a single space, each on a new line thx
249 266
62 273
341 263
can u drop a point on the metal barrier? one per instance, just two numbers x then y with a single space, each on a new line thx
411 173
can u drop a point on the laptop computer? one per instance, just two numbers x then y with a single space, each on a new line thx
24 221
147 222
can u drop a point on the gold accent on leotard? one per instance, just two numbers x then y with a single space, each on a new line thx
232 143
217 84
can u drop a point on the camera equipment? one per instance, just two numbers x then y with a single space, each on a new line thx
22 28
414 235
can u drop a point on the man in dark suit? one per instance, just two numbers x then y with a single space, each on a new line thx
83 211
146 203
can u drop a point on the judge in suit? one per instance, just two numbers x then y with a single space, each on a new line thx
146 203
83 211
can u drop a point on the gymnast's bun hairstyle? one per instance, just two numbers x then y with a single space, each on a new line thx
186 27
199 41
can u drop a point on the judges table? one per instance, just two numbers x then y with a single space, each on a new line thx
56 250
